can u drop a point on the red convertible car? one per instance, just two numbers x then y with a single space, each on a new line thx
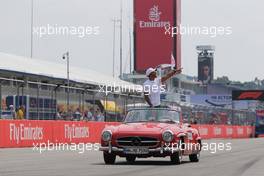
151 132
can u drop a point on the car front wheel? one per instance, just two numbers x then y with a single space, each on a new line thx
131 159
109 158
176 158
194 157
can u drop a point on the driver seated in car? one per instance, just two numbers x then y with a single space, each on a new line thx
152 86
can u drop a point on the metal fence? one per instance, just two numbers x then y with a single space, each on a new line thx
41 101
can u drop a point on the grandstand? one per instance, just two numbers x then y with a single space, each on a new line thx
36 78
50 72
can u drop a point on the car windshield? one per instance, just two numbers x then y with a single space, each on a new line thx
153 115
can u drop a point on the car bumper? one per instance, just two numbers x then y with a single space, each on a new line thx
160 150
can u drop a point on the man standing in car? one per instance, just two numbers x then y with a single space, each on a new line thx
152 86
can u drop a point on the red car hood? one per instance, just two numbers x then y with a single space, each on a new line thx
143 128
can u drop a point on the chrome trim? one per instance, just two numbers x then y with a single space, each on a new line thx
147 141
181 135
140 141
116 149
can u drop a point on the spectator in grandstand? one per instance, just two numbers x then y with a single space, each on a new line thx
21 113
152 86
58 115
63 115
88 116
84 116
69 115
13 111
98 116
213 119
77 115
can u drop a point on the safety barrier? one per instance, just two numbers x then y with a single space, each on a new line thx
27 133
224 131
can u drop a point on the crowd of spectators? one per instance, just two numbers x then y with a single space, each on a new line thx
19 113
77 115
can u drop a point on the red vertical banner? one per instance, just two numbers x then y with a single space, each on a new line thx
152 46
178 36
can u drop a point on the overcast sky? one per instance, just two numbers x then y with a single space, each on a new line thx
239 55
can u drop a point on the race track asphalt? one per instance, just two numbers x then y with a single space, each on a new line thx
246 158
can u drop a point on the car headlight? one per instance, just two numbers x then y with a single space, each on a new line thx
167 136
107 136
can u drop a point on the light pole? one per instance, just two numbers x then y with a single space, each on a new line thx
115 21
67 57
31 28
121 42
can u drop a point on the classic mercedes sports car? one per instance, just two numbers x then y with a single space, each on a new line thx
151 132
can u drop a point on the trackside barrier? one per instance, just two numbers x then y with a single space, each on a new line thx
27 133
224 131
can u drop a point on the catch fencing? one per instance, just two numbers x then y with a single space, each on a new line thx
57 101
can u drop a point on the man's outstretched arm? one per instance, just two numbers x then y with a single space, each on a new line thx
169 75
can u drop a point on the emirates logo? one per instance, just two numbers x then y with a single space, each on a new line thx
154 13
154 19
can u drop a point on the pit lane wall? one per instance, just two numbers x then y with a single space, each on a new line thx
27 133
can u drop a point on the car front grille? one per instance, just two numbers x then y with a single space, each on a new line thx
137 141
